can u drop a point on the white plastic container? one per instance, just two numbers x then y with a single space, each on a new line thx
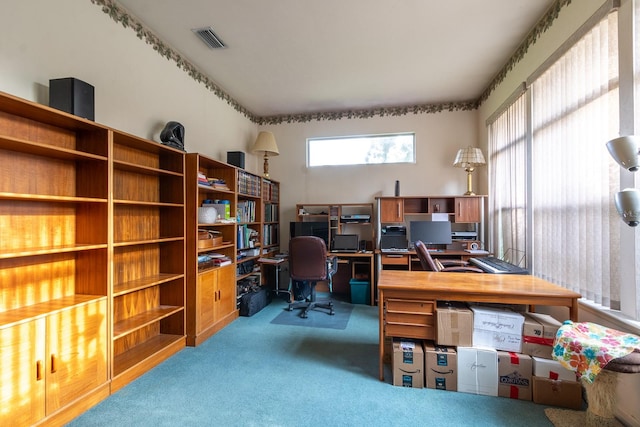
207 215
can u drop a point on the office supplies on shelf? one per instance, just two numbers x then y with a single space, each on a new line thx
495 265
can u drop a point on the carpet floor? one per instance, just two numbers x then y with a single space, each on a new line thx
317 318
256 373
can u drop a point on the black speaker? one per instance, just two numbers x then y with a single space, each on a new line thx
236 158
73 96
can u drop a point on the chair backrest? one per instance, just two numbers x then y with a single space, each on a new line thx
307 258
426 260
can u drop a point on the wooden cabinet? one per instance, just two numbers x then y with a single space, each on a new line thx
54 263
211 290
391 210
216 300
468 209
462 209
148 255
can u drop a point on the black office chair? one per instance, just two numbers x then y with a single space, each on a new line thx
308 263
444 265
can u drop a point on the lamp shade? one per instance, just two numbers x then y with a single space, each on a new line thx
627 204
266 142
469 157
624 151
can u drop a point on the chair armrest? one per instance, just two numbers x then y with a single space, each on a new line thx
463 269
452 262
332 265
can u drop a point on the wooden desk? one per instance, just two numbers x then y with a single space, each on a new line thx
421 289
365 257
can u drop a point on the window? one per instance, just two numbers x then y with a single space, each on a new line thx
361 150
552 177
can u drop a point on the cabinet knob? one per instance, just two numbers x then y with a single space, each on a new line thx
38 370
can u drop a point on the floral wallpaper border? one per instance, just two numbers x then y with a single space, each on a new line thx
120 15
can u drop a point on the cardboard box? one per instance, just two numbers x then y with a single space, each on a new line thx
567 394
552 369
538 334
408 364
455 324
514 375
478 370
441 367
497 328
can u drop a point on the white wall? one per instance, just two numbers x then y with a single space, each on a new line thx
438 137
136 90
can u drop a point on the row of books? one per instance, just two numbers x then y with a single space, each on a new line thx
271 212
270 234
247 237
246 211
249 184
271 191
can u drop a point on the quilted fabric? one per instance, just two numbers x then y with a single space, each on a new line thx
586 348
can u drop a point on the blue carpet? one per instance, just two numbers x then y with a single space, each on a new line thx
319 318
254 373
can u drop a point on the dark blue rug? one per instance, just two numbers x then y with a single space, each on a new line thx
319 318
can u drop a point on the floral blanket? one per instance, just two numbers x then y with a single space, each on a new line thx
586 348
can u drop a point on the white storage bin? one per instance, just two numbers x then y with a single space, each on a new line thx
207 215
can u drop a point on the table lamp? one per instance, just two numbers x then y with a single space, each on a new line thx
266 143
469 158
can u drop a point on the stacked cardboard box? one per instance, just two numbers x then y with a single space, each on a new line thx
441 367
514 375
478 370
555 385
408 364
497 328
455 324
538 334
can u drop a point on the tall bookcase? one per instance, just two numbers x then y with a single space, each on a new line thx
211 290
54 256
92 243
148 305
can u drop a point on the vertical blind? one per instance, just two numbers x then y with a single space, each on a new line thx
573 225
575 111
507 162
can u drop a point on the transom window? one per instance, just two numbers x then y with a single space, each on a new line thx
361 150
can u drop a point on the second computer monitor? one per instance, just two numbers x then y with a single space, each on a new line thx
430 232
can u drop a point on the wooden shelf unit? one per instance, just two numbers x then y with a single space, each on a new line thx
211 293
148 299
332 213
54 258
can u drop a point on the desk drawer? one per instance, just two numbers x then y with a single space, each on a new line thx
410 318
424 332
394 259
410 306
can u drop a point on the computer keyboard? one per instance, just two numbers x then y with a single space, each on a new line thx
497 266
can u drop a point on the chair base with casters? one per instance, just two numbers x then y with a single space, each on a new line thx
311 303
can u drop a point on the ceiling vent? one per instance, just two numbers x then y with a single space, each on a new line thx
210 38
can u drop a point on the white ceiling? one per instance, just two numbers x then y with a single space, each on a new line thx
304 56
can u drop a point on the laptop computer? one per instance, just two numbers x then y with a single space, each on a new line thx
393 244
345 243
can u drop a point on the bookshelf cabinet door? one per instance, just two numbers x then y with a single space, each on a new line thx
76 359
22 377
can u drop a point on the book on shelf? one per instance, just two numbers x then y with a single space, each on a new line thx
269 260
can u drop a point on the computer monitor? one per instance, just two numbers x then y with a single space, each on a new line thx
430 232
310 228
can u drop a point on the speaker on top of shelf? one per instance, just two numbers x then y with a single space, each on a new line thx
72 96
236 158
